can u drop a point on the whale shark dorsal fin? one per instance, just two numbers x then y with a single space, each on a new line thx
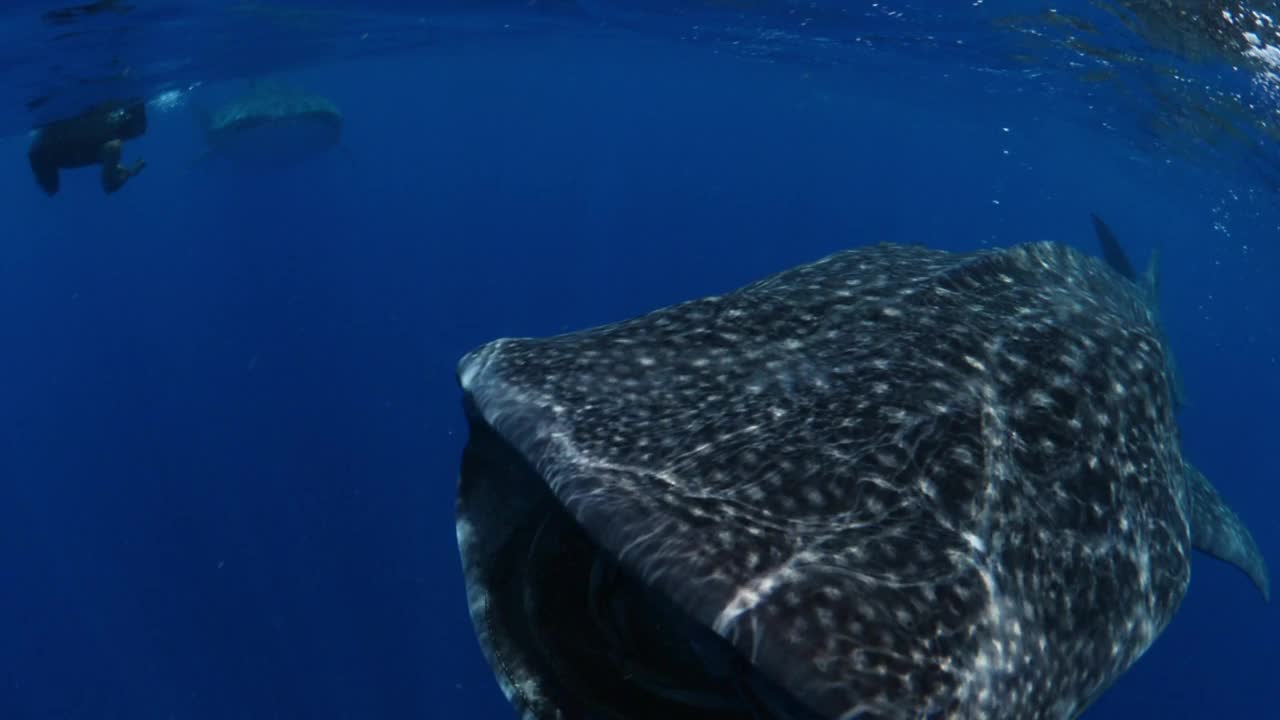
1216 530
1148 285
1112 250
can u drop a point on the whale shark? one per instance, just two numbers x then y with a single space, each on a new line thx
893 483
271 125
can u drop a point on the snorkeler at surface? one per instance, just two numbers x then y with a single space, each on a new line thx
92 137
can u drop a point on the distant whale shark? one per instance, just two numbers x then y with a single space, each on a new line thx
896 483
272 125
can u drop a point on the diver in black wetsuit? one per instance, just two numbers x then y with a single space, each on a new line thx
92 137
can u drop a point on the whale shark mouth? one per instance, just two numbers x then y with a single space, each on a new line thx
571 629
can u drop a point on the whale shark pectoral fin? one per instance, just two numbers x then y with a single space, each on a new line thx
1216 530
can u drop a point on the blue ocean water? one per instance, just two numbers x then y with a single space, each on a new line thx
231 426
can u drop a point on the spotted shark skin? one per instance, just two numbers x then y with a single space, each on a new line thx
902 483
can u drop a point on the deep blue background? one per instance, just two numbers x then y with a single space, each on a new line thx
230 422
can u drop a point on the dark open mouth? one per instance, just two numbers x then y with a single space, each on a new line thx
572 632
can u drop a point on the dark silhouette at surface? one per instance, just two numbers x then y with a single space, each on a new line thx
95 136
